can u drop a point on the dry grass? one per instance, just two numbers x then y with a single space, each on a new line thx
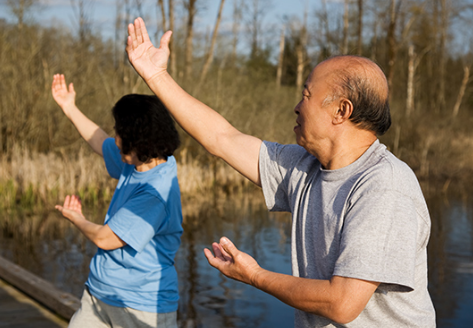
31 179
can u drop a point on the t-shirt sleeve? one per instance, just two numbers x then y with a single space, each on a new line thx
379 240
138 220
112 158
276 164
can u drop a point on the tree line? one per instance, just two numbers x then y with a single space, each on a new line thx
422 45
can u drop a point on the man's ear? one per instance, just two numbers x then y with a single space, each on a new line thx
343 111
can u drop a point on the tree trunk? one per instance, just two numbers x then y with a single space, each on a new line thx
300 56
255 29
163 15
345 28
461 93
210 54
190 5
374 43
410 82
359 49
118 44
235 27
441 62
171 43
281 57
392 45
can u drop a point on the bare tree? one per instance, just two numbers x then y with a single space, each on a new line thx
391 40
118 35
461 92
413 63
171 43
300 52
444 11
345 27
160 7
323 16
20 8
237 14
82 9
191 11
281 57
258 9
360 28
210 54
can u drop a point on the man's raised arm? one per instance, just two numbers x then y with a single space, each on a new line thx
205 125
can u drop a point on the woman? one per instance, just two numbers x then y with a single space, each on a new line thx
132 280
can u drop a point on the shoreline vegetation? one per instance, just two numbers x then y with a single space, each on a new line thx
42 157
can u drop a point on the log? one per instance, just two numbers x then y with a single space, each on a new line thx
62 303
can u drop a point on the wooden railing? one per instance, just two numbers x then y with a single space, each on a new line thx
62 303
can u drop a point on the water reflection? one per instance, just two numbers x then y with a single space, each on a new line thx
451 260
49 246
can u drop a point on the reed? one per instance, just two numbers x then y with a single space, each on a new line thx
29 179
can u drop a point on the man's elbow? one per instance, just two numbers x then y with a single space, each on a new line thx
343 313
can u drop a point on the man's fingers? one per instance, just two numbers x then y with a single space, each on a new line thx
132 37
144 31
138 31
218 251
210 257
228 248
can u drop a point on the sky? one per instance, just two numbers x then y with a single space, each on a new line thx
103 12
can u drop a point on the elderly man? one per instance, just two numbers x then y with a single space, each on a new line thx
360 223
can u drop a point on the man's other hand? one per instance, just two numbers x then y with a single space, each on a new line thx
232 262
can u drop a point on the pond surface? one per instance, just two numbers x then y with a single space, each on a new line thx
50 247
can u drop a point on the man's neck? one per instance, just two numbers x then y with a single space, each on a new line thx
342 152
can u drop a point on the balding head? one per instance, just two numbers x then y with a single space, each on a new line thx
363 83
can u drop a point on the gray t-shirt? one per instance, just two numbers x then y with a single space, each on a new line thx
368 220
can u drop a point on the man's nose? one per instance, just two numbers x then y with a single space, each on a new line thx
296 109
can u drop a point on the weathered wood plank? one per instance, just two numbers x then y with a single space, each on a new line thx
17 310
62 303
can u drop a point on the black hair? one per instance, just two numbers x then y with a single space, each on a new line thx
145 127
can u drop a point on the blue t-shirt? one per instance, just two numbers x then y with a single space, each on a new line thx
145 212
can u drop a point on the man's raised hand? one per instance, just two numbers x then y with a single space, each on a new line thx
148 61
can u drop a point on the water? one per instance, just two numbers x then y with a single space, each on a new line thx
50 247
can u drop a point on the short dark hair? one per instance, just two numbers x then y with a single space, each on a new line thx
370 106
145 127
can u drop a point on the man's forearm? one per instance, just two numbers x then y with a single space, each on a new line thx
209 128
338 299
89 131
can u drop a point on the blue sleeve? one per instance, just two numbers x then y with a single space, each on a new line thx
112 158
138 220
